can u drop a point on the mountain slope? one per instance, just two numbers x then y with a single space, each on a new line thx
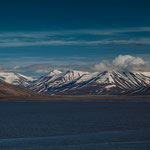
16 78
10 90
85 83
57 80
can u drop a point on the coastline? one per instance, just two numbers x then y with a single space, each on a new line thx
77 98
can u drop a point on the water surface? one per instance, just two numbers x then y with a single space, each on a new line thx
74 125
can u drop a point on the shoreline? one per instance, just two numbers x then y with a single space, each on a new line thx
77 98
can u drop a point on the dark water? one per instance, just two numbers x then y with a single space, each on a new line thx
74 125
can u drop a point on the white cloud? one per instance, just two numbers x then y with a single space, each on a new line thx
126 60
124 63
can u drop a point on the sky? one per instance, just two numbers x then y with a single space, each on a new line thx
37 36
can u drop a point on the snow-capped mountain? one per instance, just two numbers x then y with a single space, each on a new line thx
86 83
55 80
83 83
16 78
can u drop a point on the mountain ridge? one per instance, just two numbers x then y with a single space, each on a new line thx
16 78
98 83
73 82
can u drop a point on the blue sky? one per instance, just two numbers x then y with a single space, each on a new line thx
76 32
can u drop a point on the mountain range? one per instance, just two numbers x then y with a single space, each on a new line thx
74 82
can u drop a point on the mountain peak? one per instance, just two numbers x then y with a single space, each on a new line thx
54 72
15 78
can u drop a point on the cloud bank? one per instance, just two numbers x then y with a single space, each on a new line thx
120 63
123 63
46 68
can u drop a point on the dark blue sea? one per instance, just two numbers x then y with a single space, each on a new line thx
75 125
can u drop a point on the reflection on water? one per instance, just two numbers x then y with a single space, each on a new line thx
74 125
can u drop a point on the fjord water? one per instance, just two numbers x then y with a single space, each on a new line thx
74 125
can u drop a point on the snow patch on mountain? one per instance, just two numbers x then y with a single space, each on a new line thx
78 82
54 72
73 82
146 74
16 78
